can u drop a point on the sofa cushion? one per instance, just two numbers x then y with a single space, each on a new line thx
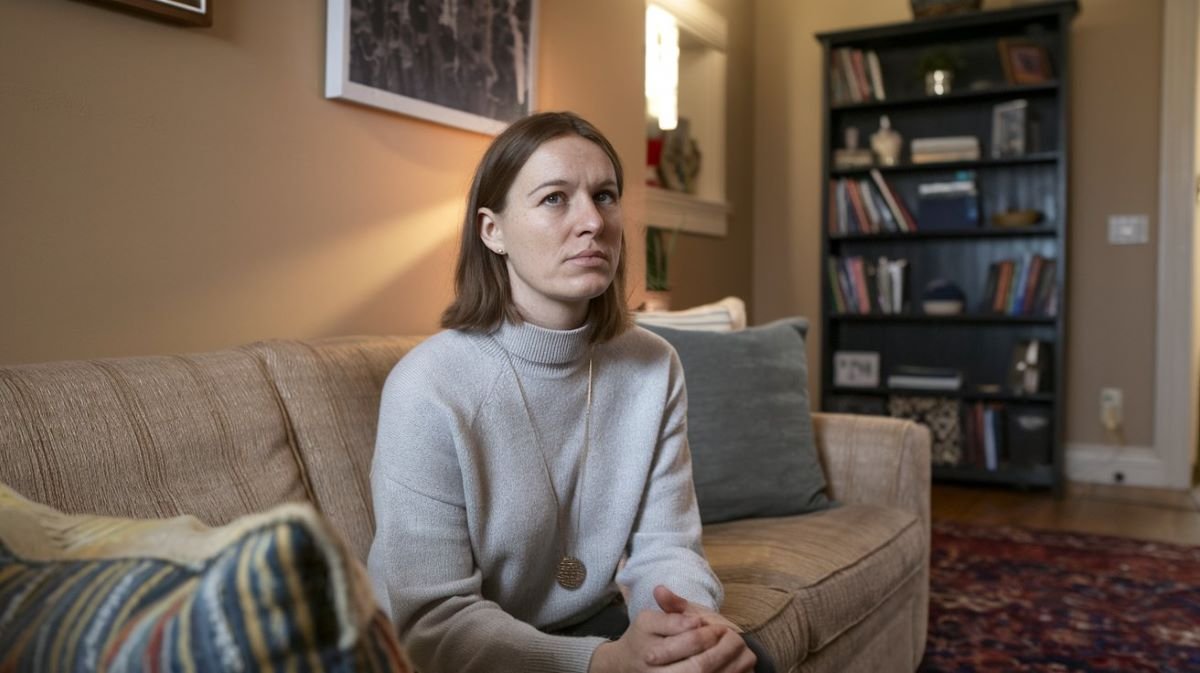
330 389
148 436
749 423
274 590
797 583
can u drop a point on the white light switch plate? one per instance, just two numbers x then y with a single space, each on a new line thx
1128 229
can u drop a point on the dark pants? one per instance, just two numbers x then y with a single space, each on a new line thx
612 621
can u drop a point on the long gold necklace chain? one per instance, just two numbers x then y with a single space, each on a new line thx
571 572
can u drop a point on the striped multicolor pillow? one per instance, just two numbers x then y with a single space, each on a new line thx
271 590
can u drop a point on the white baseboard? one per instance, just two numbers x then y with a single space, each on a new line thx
1098 463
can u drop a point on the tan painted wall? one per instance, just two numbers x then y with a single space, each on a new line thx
706 268
168 189
1116 58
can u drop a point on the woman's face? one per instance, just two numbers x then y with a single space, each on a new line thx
560 231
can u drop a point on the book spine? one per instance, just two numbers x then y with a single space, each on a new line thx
862 291
1031 283
890 199
860 211
835 286
876 75
860 74
1003 280
847 286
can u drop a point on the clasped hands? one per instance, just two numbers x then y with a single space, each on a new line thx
683 638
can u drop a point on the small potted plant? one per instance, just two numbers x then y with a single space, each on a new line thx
937 67
658 255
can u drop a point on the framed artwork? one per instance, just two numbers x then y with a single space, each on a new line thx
466 64
1025 62
195 12
856 369
1008 129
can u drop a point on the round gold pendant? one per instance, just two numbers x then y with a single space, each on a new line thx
571 573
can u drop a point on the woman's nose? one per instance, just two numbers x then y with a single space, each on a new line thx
590 219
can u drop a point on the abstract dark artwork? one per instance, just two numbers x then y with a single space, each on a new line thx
466 63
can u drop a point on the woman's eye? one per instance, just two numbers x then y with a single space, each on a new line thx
557 198
607 197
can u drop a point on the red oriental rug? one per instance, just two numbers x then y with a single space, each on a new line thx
1011 599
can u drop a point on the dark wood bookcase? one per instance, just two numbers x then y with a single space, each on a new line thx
977 342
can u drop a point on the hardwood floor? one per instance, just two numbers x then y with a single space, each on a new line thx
1150 514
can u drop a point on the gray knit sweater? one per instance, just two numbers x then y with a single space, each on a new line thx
467 539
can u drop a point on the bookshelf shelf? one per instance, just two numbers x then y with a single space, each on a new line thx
968 319
1040 230
968 395
956 97
1038 158
1035 475
876 252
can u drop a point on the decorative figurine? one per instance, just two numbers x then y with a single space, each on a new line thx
886 143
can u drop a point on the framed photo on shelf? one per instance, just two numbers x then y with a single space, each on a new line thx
1009 129
856 369
1025 62
194 12
473 68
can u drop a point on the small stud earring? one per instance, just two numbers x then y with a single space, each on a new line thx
499 251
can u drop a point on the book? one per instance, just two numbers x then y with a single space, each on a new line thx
876 75
989 439
945 144
860 210
925 378
944 156
896 204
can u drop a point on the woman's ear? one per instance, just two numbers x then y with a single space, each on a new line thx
489 230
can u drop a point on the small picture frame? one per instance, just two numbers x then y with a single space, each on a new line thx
1025 62
856 369
1009 129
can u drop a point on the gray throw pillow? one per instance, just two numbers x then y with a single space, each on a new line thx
749 423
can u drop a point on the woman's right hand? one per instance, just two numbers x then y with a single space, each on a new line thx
658 642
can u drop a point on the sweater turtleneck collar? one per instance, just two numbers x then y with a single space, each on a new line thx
543 346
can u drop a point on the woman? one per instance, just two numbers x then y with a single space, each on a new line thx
532 458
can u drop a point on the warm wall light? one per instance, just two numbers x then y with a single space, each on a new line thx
662 66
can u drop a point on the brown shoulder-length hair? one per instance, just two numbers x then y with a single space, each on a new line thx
483 295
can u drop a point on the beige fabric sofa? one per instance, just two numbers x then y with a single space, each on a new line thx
226 433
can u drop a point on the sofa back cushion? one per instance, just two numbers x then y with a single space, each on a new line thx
148 436
330 389
749 422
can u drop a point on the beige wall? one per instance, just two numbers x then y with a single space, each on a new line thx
168 189
706 268
1115 60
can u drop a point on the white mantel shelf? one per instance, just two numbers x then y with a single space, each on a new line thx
666 209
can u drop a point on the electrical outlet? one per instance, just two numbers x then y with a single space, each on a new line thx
1112 408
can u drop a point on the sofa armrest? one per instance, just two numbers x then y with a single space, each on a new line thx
875 461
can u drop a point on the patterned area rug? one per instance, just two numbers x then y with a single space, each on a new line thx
1011 599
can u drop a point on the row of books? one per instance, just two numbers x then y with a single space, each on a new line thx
1023 286
860 285
855 76
983 435
867 206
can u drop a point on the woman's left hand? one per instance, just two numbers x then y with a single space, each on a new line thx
671 602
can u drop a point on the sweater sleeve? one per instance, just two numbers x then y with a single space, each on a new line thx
665 544
421 563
